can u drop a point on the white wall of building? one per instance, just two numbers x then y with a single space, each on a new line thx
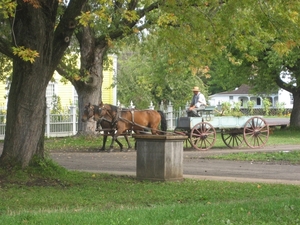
282 97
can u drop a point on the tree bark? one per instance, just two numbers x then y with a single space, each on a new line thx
34 28
93 48
89 91
26 99
295 115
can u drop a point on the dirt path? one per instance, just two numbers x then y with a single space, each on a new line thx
195 165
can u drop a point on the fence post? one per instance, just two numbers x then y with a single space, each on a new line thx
48 122
170 115
186 107
179 114
161 107
151 106
74 121
131 105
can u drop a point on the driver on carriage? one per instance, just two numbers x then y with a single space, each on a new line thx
198 102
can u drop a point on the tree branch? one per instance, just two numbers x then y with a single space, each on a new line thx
284 85
65 29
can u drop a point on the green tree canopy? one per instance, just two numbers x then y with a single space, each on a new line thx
146 76
191 33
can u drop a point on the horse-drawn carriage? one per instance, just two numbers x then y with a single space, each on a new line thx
235 131
116 121
201 131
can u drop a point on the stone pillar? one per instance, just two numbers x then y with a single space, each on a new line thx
159 157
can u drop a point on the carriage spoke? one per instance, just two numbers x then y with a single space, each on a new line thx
233 138
203 136
236 141
256 132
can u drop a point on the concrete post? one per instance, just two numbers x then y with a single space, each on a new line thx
159 157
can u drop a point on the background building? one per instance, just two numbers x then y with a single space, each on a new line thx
243 95
67 93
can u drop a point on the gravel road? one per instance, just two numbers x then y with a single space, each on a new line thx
196 165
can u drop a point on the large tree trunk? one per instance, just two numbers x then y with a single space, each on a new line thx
34 29
90 91
26 101
25 114
295 115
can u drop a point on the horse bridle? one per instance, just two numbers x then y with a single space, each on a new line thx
107 112
90 108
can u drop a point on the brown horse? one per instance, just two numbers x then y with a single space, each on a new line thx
136 120
106 124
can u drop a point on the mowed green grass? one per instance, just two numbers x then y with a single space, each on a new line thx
48 194
45 193
92 143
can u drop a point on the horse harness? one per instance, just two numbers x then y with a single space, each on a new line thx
119 117
113 121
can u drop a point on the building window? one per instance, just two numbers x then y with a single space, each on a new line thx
258 101
50 93
75 97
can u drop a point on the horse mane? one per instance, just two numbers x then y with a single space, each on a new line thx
113 107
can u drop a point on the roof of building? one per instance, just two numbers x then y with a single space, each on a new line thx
243 89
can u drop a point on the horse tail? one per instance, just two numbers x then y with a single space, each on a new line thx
163 122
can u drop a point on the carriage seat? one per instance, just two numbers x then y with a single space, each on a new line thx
205 111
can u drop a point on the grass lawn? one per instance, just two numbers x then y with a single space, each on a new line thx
48 194
45 193
81 143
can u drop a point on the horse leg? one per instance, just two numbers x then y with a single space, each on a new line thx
154 131
120 144
114 138
104 141
128 143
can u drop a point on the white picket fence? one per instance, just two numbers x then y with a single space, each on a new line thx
58 125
